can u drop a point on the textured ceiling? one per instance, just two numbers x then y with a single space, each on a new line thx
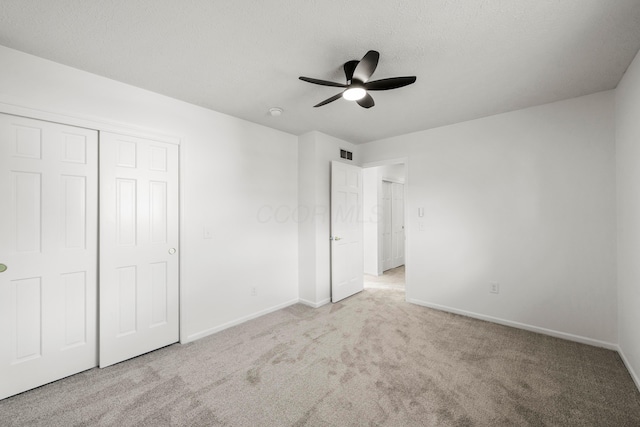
473 58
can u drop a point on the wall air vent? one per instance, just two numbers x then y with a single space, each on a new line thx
344 154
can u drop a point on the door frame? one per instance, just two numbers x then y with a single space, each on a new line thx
9 105
408 229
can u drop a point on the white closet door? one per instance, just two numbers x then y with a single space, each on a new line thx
397 219
48 243
347 258
387 226
138 246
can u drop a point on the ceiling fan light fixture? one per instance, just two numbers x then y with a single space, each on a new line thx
354 93
358 86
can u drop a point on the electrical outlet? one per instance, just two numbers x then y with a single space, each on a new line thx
494 288
254 291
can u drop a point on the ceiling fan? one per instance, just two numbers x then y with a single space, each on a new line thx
358 84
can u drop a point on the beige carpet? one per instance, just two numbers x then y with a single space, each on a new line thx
370 360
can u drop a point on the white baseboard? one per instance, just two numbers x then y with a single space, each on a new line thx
210 331
315 304
633 374
526 327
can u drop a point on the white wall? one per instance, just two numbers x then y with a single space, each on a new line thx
394 173
318 150
235 174
525 199
628 192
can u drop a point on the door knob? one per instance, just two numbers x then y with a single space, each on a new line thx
3 268
172 251
337 238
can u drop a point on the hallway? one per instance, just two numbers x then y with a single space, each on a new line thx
390 279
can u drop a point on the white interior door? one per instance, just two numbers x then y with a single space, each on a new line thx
347 262
138 246
387 226
397 220
48 252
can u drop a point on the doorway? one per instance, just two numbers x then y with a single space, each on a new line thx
384 189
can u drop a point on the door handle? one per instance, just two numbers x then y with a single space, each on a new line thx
336 238
3 268
172 251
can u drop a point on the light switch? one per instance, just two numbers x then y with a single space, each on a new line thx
420 212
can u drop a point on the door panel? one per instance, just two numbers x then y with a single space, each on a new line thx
48 240
392 225
397 219
387 226
138 245
347 260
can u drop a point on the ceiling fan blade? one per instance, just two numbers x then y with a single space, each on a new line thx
366 102
390 83
321 82
366 66
328 100
349 68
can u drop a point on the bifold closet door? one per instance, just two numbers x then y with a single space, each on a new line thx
397 224
48 252
387 225
138 246
392 225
